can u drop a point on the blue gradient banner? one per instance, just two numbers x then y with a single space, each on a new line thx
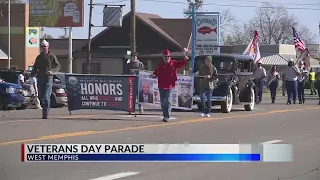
145 157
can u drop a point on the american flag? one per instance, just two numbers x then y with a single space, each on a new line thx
299 44
301 49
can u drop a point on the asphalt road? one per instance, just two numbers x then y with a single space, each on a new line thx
276 123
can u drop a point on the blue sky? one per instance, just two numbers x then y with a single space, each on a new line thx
175 9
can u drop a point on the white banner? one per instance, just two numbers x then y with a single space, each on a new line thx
207 34
148 91
112 16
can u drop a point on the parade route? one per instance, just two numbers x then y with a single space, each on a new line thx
268 123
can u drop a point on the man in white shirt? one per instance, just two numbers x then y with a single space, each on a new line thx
301 82
35 86
21 81
259 75
291 74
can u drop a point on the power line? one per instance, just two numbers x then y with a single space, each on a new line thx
232 5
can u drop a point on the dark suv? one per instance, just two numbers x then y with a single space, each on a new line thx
58 96
234 86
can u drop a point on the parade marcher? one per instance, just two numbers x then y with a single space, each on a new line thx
301 81
166 72
133 67
291 73
318 83
312 80
45 65
283 85
259 74
207 84
273 82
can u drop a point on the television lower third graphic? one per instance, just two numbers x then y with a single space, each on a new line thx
156 153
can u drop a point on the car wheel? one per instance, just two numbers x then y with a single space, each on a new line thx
22 107
250 107
227 105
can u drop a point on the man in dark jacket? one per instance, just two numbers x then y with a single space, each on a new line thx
133 67
166 72
45 65
208 78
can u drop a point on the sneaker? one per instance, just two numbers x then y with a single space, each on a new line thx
208 115
203 114
141 110
165 120
39 107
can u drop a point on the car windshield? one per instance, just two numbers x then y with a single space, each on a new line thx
244 66
223 64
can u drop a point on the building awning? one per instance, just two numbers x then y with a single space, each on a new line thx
3 55
275 59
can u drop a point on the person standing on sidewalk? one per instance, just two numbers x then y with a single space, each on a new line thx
166 72
273 82
312 80
133 68
301 82
207 83
45 65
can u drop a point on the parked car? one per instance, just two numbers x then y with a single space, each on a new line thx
234 86
58 96
11 95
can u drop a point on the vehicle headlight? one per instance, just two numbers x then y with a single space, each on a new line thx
60 91
10 90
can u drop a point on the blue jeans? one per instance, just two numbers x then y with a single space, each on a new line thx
291 87
301 86
206 105
259 88
45 90
165 99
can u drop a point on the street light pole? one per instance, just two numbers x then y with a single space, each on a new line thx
9 34
193 33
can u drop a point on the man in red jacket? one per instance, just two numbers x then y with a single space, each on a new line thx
166 72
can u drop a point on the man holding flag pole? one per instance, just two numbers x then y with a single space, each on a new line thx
260 72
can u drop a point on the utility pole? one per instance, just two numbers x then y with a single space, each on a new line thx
9 34
133 26
89 39
70 50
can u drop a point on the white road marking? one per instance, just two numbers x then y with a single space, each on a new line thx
271 142
144 116
116 176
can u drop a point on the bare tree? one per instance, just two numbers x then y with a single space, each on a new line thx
198 7
274 25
